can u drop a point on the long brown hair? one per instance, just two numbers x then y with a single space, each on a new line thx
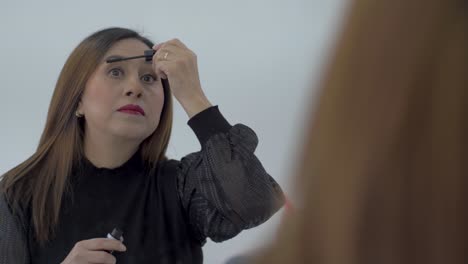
38 184
384 169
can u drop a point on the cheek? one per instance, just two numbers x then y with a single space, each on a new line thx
157 104
98 96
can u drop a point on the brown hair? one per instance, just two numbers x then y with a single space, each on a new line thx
38 184
384 168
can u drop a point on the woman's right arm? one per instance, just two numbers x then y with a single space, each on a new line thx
13 242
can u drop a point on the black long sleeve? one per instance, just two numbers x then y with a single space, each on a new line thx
224 187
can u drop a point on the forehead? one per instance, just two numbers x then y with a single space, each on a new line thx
128 47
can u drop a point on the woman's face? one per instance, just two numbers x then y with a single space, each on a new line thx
112 86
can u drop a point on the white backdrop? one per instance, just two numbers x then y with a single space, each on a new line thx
257 59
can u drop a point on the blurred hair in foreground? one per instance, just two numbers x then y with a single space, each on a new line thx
384 166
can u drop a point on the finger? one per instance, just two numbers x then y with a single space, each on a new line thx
174 53
158 46
174 50
162 54
176 42
174 46
173 42
100 257
161 69
160 61
102 244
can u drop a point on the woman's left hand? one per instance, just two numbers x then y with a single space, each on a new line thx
175 62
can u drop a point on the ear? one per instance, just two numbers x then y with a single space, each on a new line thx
79 109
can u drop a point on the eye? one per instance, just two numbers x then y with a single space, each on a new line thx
148 78
115 72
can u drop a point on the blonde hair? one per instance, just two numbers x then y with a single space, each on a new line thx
384 166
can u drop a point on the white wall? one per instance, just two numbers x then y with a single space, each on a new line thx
257 60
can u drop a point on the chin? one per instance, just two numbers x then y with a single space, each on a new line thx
132 132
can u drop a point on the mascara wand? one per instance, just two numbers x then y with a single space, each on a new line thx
148 55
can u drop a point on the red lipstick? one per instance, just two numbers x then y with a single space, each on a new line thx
132 109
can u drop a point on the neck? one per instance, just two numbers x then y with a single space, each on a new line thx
107 151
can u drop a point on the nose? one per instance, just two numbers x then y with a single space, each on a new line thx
133 88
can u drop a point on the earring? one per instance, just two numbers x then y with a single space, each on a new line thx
77 114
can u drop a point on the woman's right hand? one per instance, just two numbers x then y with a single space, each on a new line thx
94 251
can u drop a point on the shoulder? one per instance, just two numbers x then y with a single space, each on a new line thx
5 208
177 167
10 215
168 166
13 245
11 221
166 172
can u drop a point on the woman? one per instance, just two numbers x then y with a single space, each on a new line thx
101 164
384 168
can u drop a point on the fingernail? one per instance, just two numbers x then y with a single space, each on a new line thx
124 248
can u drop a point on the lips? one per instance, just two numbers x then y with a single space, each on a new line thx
132 109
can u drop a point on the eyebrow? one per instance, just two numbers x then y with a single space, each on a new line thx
148 55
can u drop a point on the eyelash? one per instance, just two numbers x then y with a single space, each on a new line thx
115 69
150 75
121 72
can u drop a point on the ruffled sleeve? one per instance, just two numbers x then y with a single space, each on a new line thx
224 188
